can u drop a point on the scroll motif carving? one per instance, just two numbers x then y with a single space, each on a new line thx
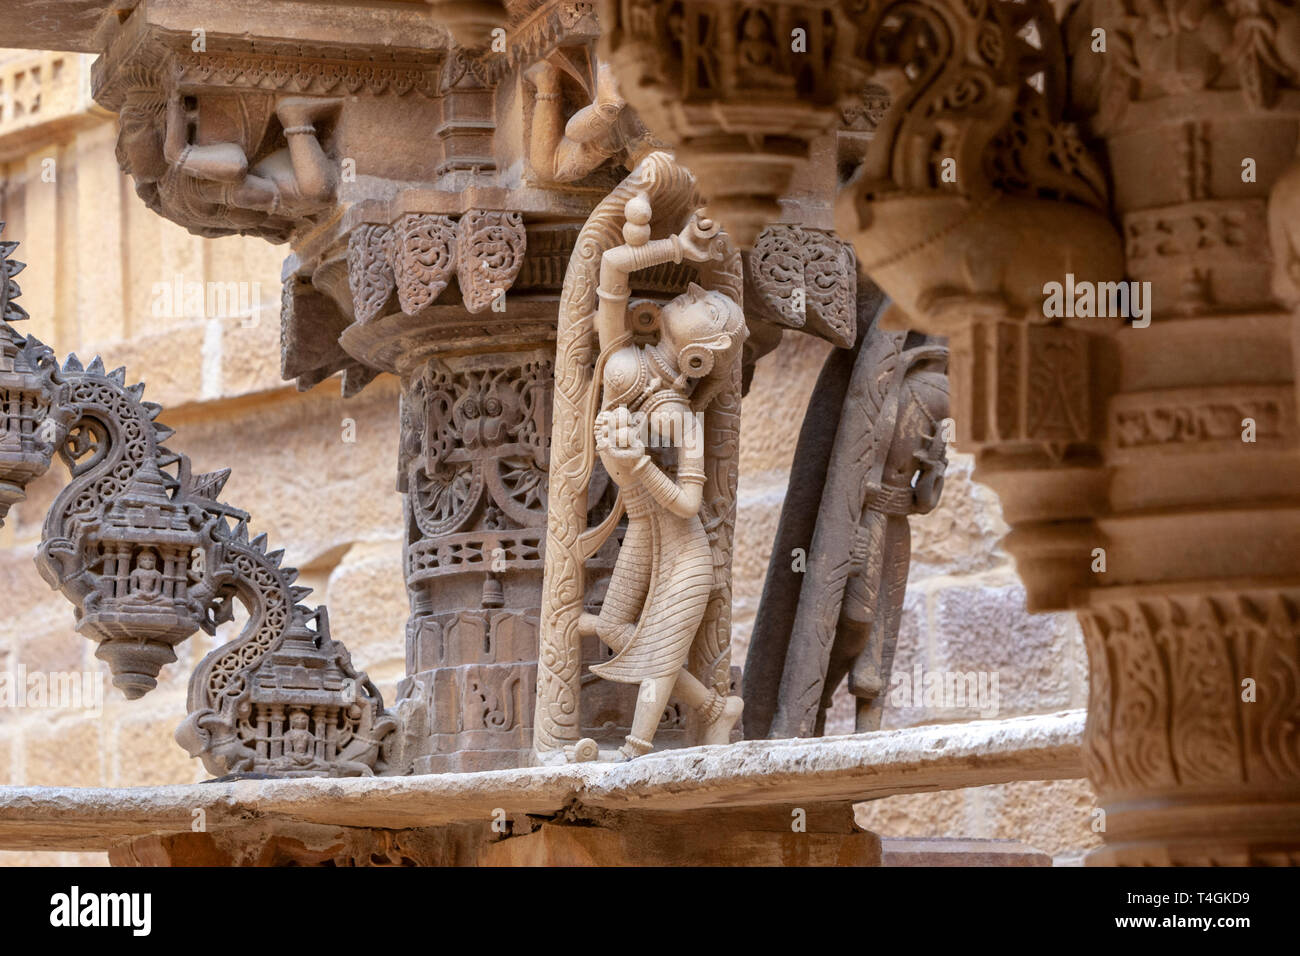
1165 706
805 279
490 253
424 258
973 188
1141 420
417 256
371 276
482 445
1169 50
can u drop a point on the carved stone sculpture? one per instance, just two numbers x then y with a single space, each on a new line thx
618 400
32 420
564 151
871 453
417 257
148 555
238 185
728 87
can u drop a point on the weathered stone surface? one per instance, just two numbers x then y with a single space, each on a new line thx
1057 816
988 632
369 604
62 25
749 774
67 753
1054 816
148 742
6 756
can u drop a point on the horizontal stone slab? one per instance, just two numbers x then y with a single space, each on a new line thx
754 773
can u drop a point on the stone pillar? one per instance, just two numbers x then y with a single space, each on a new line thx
1193 629
1141 434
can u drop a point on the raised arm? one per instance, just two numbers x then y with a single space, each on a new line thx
694 243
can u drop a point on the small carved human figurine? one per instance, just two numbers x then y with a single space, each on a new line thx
299 741
146 580
219 186
648 437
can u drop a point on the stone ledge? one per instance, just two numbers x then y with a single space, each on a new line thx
755 773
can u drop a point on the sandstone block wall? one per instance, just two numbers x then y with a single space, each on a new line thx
317 474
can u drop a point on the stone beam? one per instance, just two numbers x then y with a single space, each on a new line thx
753 774
67 25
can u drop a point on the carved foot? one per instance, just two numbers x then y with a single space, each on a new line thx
718 730
584 751
635 747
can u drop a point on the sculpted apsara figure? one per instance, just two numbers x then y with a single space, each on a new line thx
564 152
652 445
648 414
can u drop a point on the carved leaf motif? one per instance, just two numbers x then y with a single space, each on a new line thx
424 258
370 270
806 279
778 268
490 252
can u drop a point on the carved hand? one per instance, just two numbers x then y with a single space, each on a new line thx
620 443
697 239
861 544
608 98
545 76
929 487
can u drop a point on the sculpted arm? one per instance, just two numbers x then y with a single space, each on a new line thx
694 242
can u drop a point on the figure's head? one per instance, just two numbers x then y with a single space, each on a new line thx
702 331
298 720
147 560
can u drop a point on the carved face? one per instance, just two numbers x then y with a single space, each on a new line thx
701 329
298 721
140 144
147 561
487 414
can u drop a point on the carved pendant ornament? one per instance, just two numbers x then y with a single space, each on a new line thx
660 415
417 257
148 555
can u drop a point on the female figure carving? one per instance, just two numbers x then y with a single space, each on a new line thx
646 414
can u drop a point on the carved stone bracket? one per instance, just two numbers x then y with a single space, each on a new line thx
724 84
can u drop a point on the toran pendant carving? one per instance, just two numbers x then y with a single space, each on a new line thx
148 555
417 257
